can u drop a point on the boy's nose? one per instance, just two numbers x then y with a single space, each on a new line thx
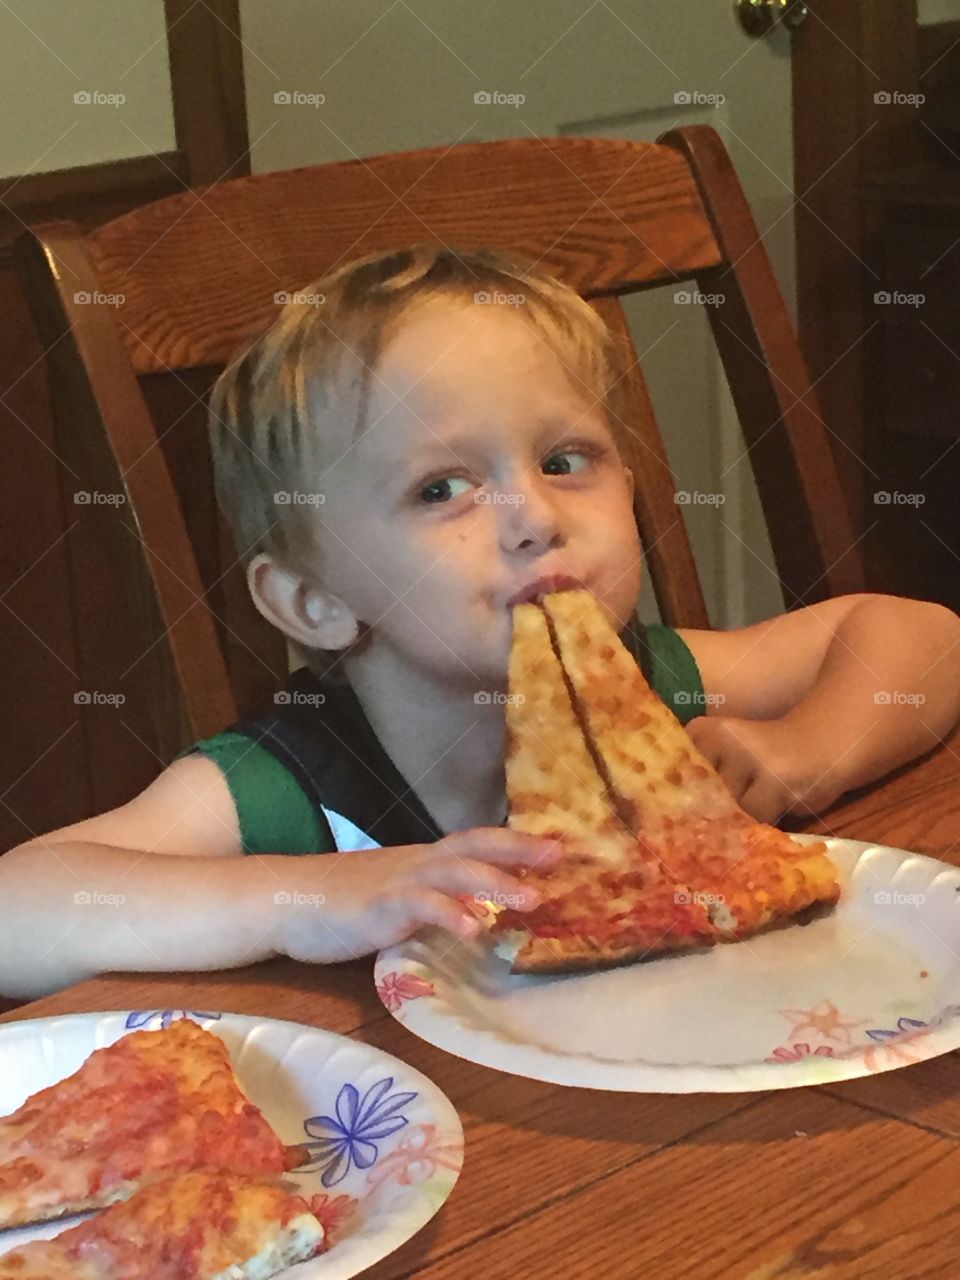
531 525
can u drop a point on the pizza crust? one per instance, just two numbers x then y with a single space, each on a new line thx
582 955
209 1222
53 1213
297 1242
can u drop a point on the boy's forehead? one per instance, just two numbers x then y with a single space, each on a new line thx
441 343
456 366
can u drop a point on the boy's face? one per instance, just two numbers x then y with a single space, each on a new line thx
484 467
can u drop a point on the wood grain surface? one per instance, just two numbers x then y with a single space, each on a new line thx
856 1181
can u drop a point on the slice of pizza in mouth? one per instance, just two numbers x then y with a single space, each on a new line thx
666 859
153 1103
209 1224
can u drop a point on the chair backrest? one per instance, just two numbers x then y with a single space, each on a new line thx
198 273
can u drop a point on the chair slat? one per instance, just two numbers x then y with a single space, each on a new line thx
108 438
199 270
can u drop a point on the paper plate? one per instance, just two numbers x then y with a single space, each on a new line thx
386 1144
872 985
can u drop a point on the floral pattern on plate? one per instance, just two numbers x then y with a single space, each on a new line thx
350 1137
141 1018
797 1052
394 988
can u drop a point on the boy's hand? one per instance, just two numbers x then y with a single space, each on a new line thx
769 767
343 905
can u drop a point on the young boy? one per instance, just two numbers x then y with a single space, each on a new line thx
418 443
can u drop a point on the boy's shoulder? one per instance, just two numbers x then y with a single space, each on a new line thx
273 812
188 809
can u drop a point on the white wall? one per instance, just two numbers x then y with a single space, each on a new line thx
51 50
938 11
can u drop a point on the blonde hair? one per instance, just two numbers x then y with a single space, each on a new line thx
275 403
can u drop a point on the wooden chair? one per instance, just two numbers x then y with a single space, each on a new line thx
159 592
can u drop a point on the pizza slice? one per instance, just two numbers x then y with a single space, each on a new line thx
153 1103
557 786
209 1224
694 869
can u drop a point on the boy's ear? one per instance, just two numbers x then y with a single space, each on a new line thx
300 609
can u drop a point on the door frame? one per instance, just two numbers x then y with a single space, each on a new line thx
207 83
845 53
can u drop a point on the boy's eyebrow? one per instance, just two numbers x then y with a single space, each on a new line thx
424 455
457 450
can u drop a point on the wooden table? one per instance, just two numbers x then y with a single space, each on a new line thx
857 1181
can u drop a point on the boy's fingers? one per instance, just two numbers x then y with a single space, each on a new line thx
737 769
426 906
480 881
502 847
763 801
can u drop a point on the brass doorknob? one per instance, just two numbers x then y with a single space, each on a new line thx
758 17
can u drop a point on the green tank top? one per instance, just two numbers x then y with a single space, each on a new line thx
276 815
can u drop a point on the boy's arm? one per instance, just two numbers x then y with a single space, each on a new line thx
105 894
804 706
73 909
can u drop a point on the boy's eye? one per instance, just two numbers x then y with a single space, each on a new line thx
438 491
569 468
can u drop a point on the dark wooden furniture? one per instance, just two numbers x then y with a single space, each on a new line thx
911 348
845 55
50 759
913 390
846 1181
164 610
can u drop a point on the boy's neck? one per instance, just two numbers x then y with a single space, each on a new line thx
449 749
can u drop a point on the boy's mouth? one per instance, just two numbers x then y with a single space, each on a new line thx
542 586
